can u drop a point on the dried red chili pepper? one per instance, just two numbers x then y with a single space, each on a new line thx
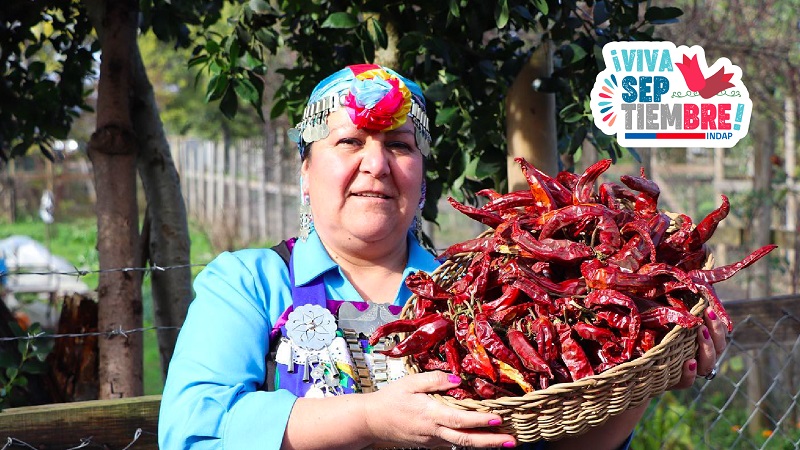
637 249
508 298
604 297
663 315
616 197
592 332
584 189
513 374
608 234
492 343
485 217
510 200
489 390
599 275
422 284
703 231
722 273
561 193
507 315
401 326
647 200
491 194
665 270
481 244
542 198
452 355
555 250
676 241
716 305
423 338
545 333
647 339
431 362
560 218
478 352
572 354
567 179
527 353
461 393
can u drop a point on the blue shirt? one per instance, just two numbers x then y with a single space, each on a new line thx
210 397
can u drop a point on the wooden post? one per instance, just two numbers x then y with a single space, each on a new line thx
263 178
245 208
531 119
107 423
208 180
219 185
720 249
233 187
790 165
279 152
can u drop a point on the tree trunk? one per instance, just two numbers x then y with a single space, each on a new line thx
112 150
531 120
169 243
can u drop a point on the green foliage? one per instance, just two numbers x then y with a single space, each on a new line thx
16 366
464 53
667 426
47 54
180 94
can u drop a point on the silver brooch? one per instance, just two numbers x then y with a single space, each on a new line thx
311 327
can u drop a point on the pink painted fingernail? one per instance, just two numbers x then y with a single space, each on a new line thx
509 444
454 379
712 315
706 335
495 422
692 366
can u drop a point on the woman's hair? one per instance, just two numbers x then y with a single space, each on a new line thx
375 97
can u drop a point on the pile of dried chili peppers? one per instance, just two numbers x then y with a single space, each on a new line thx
574 279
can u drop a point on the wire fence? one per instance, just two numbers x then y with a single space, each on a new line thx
751 404
87 442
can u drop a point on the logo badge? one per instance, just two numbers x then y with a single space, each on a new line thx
654 94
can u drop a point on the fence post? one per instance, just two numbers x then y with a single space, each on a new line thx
219 184
262 191
245 209
208 181
278 151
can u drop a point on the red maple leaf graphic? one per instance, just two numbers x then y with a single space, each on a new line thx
697 82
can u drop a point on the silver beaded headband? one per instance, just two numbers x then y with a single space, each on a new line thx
313 126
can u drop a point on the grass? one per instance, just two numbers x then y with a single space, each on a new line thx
75 241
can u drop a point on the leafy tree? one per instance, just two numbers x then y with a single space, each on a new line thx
464 53
40 103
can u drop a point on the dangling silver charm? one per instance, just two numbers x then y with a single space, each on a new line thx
306 219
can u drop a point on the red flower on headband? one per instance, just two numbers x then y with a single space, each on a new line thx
378 103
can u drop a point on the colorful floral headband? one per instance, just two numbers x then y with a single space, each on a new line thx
375 97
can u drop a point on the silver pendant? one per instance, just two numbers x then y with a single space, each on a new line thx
311 327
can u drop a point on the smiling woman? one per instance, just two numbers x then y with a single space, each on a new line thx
275 339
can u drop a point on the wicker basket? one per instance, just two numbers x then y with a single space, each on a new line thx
573 408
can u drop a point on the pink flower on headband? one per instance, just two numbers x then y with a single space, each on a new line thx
379 103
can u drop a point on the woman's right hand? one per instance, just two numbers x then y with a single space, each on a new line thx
403 414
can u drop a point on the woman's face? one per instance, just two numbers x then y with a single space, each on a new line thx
363 184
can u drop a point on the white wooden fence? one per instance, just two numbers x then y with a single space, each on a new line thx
247 189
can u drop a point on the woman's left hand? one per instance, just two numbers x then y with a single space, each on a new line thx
711 340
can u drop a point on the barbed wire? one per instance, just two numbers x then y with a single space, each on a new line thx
82 273
84 442
116 332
